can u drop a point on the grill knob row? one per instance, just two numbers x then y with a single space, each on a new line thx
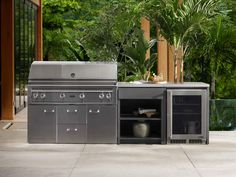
101 95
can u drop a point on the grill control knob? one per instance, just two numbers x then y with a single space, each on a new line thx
108 95
82 96
62 95
35 95
42 95
101 95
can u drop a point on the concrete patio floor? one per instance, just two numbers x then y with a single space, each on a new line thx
20 159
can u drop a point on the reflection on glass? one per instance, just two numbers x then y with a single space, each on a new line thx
186 115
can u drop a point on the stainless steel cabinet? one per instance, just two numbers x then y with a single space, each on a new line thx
71 124
102 124
133 99
42 124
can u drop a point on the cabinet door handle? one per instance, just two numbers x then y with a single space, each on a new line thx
70 111
95 112
48 111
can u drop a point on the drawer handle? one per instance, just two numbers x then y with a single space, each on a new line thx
47 111
96 112
69 110
76 129
68 129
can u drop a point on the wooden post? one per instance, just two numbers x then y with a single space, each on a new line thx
162 48
39 45
145 26
170 64
7 56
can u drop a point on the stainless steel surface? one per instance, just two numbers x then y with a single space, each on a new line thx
169 85
66 95
73 70
42 124
102 125
203 135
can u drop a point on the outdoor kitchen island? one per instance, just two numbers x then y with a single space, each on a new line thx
163 113
82 102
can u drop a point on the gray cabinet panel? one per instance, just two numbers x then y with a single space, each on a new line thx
42 124
72 114
141 93
102 124
71 133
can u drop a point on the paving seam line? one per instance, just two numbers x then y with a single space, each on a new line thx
199 174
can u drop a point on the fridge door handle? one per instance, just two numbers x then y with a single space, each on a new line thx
169 113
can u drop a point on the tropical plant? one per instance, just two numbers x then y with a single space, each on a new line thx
55 25
213 57
180 21
112 30
78 50
136 65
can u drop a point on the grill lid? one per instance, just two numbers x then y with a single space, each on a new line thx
73 70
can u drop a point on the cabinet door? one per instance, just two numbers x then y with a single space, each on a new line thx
41 124
102 124
72 114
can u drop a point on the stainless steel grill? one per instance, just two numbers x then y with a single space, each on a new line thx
72 102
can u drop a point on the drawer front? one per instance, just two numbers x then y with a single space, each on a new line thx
141 93
72 114
72 133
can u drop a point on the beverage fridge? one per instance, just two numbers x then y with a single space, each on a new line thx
187 116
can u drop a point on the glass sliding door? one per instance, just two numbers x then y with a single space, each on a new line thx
25 48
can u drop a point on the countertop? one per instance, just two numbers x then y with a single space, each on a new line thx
163 85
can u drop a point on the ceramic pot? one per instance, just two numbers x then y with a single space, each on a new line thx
141 129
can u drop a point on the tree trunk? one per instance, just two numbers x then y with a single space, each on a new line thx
175 67
181 70
213 85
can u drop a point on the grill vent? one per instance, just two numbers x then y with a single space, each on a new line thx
187 141
195 141
178 141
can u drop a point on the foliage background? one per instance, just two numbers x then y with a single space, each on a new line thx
109 30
